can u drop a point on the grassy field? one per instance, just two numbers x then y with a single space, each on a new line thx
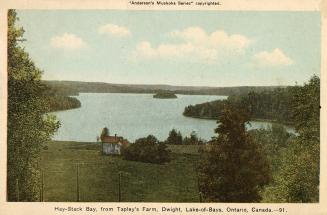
175 181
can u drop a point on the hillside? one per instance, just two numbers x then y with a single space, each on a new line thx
75 87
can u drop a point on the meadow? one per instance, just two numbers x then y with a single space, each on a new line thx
98 175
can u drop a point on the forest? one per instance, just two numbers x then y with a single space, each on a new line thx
272 105
59 99
75 87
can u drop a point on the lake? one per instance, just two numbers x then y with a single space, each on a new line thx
133 116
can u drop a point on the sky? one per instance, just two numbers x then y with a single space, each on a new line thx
189 48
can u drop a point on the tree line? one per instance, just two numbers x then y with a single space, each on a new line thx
275 105
75 87
59 100
150 150
175 138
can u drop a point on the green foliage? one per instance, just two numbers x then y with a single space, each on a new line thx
193 139
104 133
75 87
268 104
147 149
294 159
28 125
174 181
58 101
208 110
306 109
62 88
233 168
273 140
297 177
174 138
165 94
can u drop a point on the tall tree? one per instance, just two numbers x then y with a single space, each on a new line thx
306 109
29 127
175 138
233 168
297 179
104 133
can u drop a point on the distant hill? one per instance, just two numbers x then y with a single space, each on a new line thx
75 87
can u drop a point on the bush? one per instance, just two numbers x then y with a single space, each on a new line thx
147 149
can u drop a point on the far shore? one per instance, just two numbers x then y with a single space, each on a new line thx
252 119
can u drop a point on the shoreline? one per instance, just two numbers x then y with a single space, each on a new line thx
252 119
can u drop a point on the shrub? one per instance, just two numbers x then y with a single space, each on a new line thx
147 149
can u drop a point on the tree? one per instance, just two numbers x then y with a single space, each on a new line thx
193 139
29 127
297 179
274 141
175 138
306 109
233 168
306 150
104 133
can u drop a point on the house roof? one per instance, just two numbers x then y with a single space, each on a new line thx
114 139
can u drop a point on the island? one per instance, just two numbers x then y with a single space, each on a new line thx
164 95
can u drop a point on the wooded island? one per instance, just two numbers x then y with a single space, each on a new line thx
165 95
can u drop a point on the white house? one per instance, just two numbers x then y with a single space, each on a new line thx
111 145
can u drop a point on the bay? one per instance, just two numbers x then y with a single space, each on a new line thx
135 115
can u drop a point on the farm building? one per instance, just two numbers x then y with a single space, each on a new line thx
111 145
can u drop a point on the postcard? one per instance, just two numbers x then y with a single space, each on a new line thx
163 107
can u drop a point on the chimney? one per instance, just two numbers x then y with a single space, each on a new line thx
115 136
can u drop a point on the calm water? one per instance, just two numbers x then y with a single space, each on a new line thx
133 116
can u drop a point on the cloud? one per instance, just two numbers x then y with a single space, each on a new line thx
272 59
217 39
114 30
67 41
194 43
